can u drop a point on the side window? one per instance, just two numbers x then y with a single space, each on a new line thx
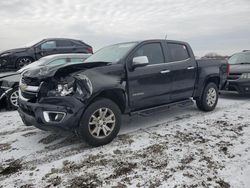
64 43
153 51
58 61
178 52
48 45
76 60
78 43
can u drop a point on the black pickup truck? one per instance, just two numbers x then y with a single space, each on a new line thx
128 78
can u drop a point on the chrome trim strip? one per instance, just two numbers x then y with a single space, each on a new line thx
32 88
166 63
190 68
21 96
165 71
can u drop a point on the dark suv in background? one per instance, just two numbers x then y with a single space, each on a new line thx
17 58
239 74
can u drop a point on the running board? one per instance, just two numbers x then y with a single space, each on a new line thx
162 108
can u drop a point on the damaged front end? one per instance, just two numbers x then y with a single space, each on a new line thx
53 102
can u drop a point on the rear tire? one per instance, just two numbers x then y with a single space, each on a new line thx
209 98
100 122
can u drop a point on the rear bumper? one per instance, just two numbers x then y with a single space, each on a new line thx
34 113
239 86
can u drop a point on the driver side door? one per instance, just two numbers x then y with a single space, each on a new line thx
149 85
46 48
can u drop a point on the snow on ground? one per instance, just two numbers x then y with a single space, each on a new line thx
181 147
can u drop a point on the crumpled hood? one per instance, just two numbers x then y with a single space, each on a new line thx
61 70
14 50
240 68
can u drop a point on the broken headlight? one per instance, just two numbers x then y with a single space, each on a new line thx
65 89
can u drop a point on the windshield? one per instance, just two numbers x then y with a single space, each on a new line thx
111 54
240 58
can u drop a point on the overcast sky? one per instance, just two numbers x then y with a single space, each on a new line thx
221 26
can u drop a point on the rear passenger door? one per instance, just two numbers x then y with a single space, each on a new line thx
149 85
183 70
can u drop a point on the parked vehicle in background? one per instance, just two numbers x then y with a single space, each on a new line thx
128 78
17 58
239 74
9 81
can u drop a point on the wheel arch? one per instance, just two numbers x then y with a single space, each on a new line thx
25 56
118 96
214 78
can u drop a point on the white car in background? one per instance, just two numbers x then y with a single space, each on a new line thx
9 81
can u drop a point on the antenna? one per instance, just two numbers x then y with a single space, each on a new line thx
166 36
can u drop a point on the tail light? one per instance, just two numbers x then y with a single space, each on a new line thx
90 50
228 69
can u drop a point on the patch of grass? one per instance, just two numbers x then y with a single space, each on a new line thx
86 180
123 168
12 167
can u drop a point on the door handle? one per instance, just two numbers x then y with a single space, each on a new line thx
190 68
165 71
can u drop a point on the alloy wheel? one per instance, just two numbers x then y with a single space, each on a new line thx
102 123
211 97
14 98
24 61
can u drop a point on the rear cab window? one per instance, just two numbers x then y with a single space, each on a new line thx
177 52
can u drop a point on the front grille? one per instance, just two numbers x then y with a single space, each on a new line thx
234 76
30 81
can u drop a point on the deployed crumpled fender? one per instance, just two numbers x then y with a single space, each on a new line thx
93 78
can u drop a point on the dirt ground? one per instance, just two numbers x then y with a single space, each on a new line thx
181 147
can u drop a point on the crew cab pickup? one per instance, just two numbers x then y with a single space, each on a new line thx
128 78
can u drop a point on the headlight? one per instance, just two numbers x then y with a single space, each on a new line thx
245 76
5 54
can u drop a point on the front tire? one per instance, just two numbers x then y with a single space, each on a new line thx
209 98
100 122
23 61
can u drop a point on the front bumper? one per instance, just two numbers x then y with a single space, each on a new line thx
5 62
241 86
33 113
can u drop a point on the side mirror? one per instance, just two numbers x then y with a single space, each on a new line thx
140 61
